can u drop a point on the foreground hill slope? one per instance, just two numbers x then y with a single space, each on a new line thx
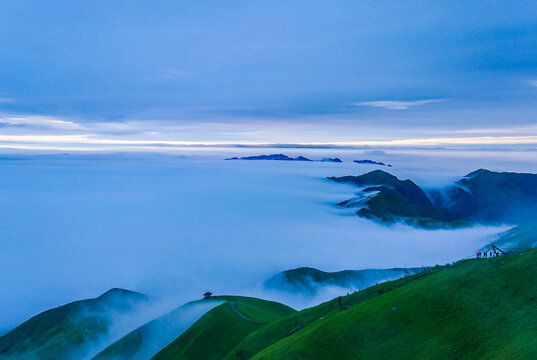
148 339
216 333
68 331
480 308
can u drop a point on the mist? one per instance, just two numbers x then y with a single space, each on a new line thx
174 227
156 334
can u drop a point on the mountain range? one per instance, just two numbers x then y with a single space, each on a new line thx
482 196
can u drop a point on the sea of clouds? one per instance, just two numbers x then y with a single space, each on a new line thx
74 226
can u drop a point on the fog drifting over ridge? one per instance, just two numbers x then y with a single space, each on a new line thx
75 226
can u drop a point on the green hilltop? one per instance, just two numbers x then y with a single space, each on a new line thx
221 329
64 332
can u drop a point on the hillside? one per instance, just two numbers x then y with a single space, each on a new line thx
387 199
495 196
519 238
473 309
62 332
482 196
145 341
479 308
308 281
217 332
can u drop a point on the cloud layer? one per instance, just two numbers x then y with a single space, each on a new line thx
397 105
277 63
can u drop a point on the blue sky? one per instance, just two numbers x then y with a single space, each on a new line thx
97 74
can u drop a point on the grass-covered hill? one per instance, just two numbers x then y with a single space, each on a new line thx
68 331
387 199
489 196
217 332
481 196
145 341
307 280
473 309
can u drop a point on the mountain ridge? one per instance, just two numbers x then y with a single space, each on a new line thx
482 196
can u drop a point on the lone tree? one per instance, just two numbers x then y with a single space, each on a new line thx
207 295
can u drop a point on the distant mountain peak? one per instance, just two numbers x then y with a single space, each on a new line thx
477 172
271 157
371 162
122 293
482 196
308 280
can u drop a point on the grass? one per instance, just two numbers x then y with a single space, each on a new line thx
216 333
296 322
473 309
60 332
482 308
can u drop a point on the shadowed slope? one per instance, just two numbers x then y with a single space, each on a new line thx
481 196
519 238
308 280
61 332
393 200
147 340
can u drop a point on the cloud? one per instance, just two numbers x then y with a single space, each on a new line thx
40 132
533 83
39 121
516 130
90 209
93 142
6 100
375 152
397 105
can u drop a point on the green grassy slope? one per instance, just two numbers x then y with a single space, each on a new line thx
481 308
296 322
60 332
145 341
221 329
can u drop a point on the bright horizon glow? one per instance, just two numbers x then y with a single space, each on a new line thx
77 142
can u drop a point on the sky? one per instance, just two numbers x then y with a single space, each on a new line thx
164 75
